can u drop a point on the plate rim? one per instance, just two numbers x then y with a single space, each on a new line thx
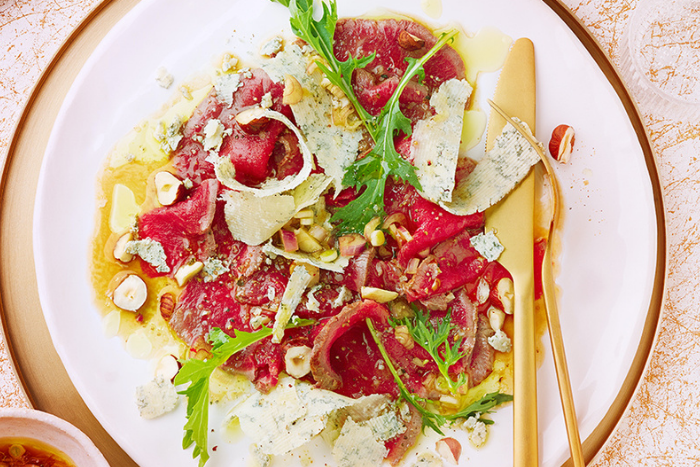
113 10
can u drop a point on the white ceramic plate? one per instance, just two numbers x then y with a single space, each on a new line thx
609 241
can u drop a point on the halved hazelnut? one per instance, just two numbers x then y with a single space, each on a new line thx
131 293
450 449
297 361
252 120
119 251
168 367
293 91
410 42
169 188
562 143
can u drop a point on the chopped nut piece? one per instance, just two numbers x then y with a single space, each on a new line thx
293 91
410 42
378 295
187 272
297 361
169 188
120 252
562 143
450 449
166 306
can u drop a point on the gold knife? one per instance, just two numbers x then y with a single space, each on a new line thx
548 290
512 219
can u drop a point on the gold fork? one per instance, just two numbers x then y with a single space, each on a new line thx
548 289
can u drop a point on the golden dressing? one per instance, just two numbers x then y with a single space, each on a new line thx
21 452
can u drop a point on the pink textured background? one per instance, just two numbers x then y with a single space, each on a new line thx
662 426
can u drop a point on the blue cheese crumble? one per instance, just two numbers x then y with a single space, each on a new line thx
488 245
213 135
226 85
156 398
151 251
168 134
213 268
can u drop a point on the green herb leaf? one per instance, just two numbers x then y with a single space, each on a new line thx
431 419
482 406
197 373
435 340
371 172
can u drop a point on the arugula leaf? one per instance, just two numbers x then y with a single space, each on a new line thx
482 407
434 339
197 373
372 171
432 419
383 161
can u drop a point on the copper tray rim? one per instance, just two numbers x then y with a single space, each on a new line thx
603 432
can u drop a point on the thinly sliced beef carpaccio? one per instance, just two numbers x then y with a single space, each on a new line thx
376 83
251 149
427 259
180 228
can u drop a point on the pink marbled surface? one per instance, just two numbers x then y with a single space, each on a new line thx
662 425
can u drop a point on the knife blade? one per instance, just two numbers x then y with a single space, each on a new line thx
513 221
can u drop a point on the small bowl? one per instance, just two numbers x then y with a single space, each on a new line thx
660 57
51 430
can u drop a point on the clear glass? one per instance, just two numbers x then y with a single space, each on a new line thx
661 57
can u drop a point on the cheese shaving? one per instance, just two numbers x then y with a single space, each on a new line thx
254 220
287 417
335 147
501 169
435 143
298 281
336 266
226 172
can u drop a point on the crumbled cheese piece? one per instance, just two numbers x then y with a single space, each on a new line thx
479 434
488 245
228 63
428 459
226 85
213 268
186 92
151 251
168 134
335 147
501 169
272 47
500 341
298 281
312 304
304 414
213 135
435 140
156 398
266 101
356 446
344 296
187 183
254 220
163 78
